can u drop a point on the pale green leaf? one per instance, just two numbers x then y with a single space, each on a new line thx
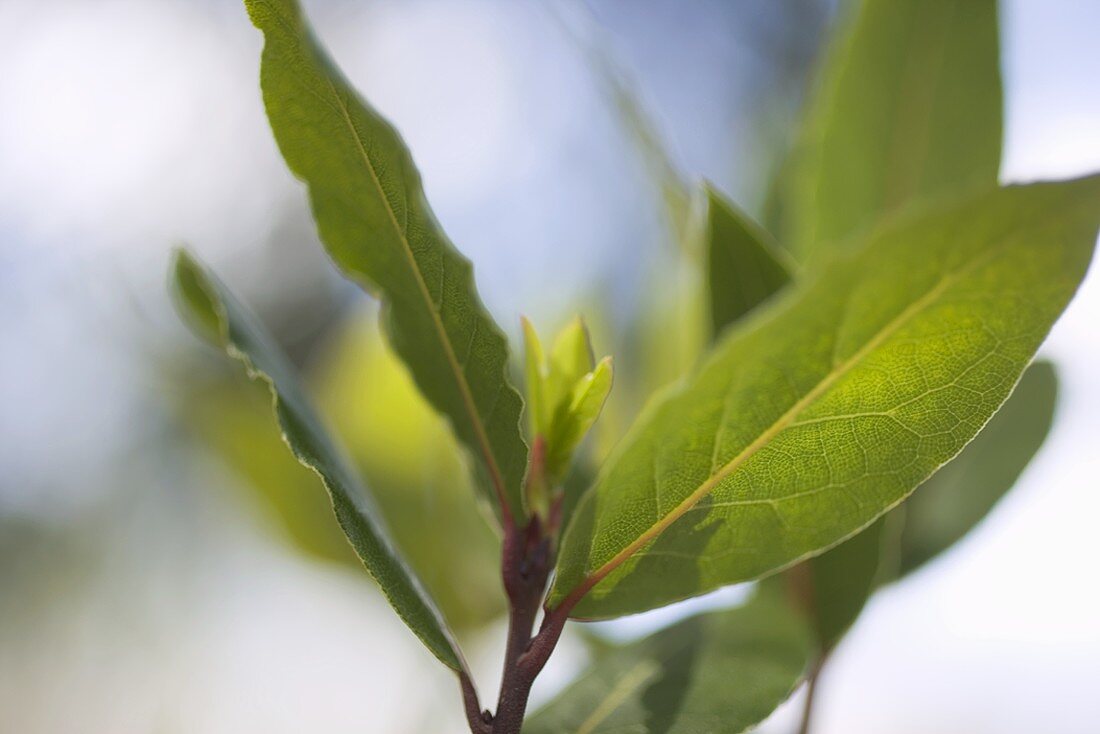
534 370
744 265
207 304
570 359
908 106
959 495
375 222
577 416
715 673
830 406
566 391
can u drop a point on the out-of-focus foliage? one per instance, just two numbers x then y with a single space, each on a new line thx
743 264
907 106
831 589
716 672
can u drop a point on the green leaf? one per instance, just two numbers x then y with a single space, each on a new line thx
830 406
715 673
375 222
577 416
535 367
218 316
415 468
744 265
566 392
908 106
744 269
571 359
960 494
834 586
403 449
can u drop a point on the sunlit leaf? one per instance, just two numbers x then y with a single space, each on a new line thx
822 412
208 305
908 105
375 221
744 269
715 673
833 587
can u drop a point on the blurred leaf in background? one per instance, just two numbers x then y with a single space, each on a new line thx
720 671
932 69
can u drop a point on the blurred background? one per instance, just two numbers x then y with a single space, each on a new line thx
166 567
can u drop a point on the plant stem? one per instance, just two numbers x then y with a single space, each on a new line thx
515 687
527 555
478 720
811 689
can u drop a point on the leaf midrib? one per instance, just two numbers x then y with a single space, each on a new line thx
839 371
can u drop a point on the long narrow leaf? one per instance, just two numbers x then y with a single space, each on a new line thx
209 306
375 221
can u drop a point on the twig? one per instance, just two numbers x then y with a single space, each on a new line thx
811 689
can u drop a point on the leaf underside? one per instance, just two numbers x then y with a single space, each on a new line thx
934 127
821 413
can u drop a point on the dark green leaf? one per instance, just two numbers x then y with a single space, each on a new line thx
207 304
376 224
828 408
716 673
744 266
833 587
